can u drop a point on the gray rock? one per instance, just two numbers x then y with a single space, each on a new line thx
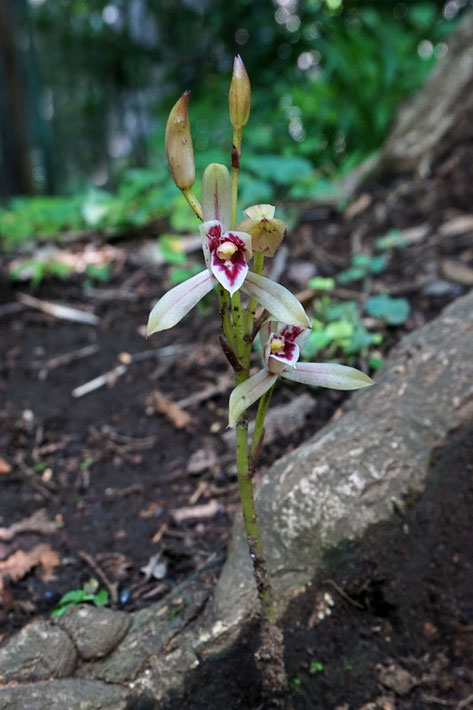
38 652
71 694
359 468
95 631
151 631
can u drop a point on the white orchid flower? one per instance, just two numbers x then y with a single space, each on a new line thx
226 254
281 348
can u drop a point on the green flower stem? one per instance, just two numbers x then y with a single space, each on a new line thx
239 331
255 546
242 330
259 425
258 264
193 202
225 315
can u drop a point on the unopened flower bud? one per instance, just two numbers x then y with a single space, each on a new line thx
216 194
178 143
239 98
266 231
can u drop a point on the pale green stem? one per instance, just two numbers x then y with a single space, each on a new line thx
225 316
259 425
239 330
258 264
193 202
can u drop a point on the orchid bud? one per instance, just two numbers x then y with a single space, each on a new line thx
239 98
267 232
178 143
216 194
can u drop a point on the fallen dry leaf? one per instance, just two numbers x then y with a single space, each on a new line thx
38 522
172 411
4 466
455 271
20 563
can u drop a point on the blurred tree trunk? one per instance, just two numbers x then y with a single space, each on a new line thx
429 125
17 170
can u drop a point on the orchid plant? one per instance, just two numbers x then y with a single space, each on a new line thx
234 259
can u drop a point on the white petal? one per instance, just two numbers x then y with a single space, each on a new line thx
205 228
177 302
248 392
323 374
216 194
259 212
276 299
269 326
287 361
231 275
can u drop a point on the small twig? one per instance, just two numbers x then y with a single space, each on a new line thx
65 359
8 309
222 385
157 536
58 310
343 594
112 588
108 378
465 702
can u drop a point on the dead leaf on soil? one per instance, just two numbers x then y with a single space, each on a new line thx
457 225
396 678
38 523
20 563
4 466
172 411
460 273
201 460
361 204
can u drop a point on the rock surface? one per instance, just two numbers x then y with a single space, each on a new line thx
70 694
38 652
95 631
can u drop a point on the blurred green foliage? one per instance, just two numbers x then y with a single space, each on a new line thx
340 328
327 77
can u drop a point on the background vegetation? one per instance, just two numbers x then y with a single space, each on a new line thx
87 86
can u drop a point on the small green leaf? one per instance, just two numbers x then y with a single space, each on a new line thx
375 362
340 329
75 596
315 667
319 283
99 272
352 274
391 240
101 598
395 311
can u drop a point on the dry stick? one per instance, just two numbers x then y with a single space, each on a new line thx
65 359
343 594
58 310
100 573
